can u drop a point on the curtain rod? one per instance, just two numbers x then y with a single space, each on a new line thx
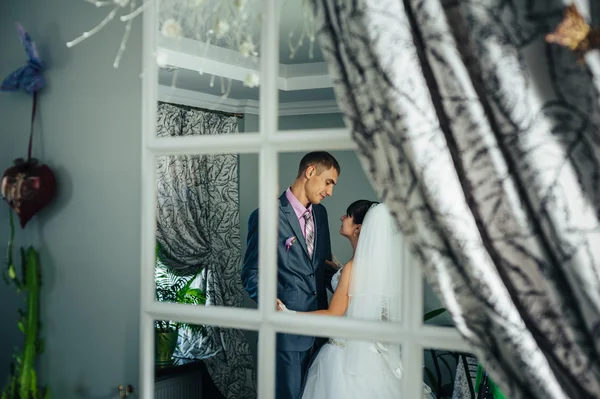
241 116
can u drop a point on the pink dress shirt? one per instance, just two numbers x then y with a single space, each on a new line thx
299 210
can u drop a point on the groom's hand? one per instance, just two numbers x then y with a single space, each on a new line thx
279 305
332 264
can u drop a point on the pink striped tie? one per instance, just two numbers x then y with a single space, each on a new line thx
310 233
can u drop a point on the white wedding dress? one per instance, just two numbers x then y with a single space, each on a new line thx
329 378
348 369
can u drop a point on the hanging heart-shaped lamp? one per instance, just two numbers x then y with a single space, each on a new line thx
28 187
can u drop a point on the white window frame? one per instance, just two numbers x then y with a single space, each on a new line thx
267 143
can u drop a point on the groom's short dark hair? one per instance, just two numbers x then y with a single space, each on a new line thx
321 159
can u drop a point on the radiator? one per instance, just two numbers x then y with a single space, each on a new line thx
183 386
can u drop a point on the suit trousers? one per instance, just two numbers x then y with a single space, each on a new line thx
291 369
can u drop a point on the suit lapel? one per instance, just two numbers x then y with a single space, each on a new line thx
292 219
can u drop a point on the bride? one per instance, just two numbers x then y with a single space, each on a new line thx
367 287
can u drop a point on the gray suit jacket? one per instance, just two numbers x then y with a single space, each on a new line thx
301 281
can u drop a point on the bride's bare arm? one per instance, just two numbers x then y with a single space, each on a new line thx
339 301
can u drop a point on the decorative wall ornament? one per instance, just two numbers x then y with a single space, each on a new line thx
27 187
574 33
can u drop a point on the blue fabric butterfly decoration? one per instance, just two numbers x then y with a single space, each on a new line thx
29 77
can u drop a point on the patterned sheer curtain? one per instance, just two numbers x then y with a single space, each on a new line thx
484 140
198 229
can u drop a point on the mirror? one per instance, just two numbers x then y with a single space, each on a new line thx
209 58
208 55
305 87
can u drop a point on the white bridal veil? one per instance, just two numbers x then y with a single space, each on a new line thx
375 289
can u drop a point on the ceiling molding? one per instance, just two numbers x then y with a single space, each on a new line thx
219 61
218 103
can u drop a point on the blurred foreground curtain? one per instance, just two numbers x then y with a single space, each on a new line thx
484 140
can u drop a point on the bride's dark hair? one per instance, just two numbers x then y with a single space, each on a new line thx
358 209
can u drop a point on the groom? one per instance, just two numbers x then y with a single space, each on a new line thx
303 247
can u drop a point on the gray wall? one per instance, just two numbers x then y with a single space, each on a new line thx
10 301
89 132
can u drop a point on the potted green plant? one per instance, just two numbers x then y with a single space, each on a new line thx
23 376
171 287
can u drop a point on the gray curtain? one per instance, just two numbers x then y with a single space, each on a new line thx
484 140
198 227
466 378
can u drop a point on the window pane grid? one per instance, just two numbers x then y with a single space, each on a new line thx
412 376
248 143
413 291
243 143
147 355
267 269
268 143
443 338
147 272
314 139
267 196
148 206
229 317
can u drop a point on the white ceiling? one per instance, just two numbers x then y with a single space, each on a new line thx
196 20
192 80
193 26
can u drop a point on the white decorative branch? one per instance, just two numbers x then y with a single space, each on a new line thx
95 30
100 3
125 38
134 13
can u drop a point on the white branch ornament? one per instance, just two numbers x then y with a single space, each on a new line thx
117 6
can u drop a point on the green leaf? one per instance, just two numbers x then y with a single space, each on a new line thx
157 252
17 358
33 386
11 272
11 240
194 296
434 313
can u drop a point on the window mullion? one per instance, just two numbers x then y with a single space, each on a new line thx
148 202
267 198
